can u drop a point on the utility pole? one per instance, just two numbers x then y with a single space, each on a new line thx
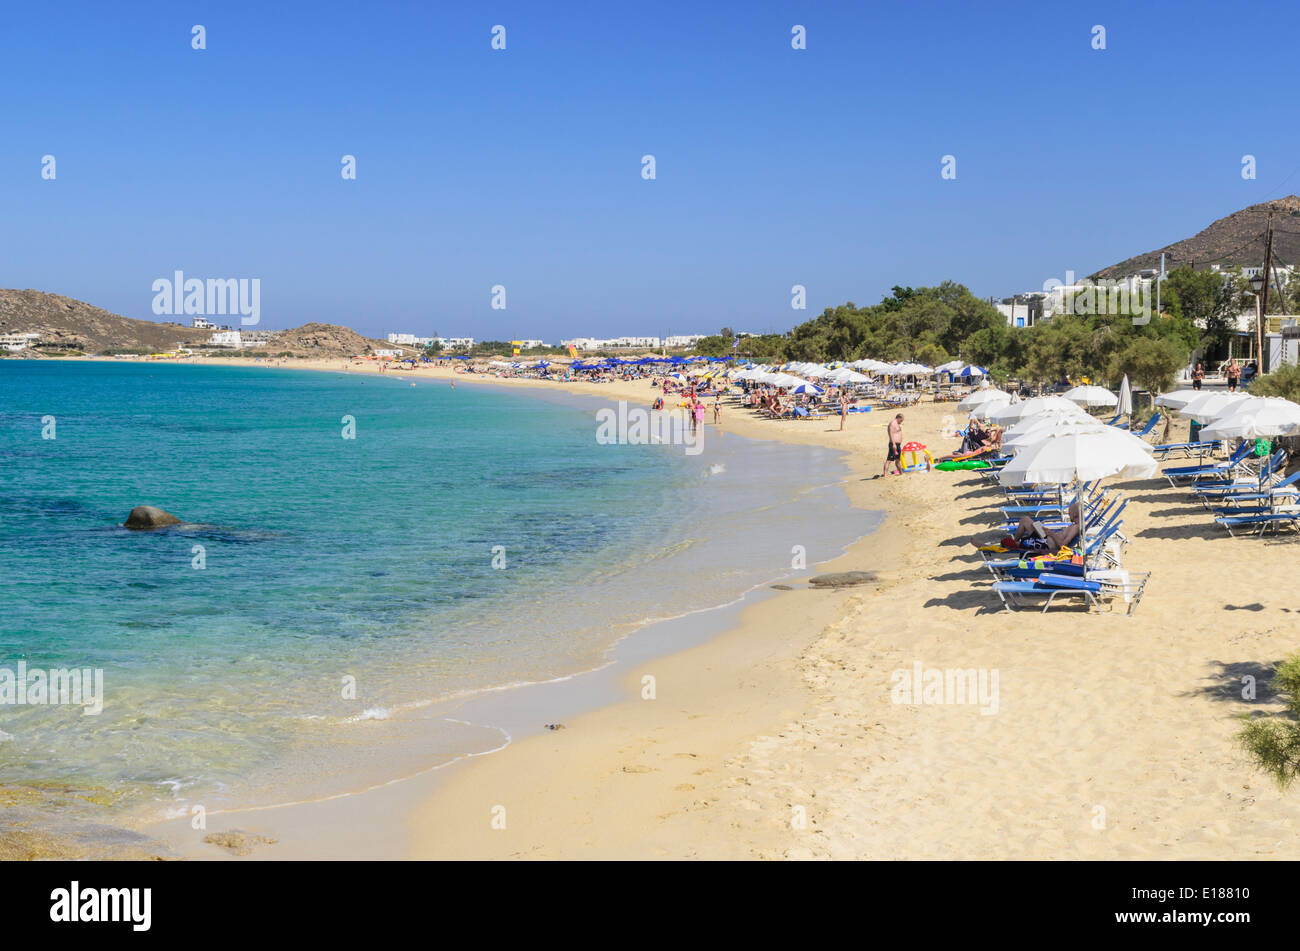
1263 299
1160 279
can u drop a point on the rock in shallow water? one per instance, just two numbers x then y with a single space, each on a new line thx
147 516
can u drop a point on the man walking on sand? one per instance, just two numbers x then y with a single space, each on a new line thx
895 445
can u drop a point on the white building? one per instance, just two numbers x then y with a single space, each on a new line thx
612 343
202 323
227 338
15 342
1022 310
256 338
447 343
687 340
530 344
388 354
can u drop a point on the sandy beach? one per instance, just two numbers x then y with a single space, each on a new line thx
1112 736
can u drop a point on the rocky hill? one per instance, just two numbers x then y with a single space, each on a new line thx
1236 239
75 325
319 339
72 325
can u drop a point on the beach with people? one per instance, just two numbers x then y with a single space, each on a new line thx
807 728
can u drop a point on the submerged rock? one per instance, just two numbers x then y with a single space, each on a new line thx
842 579
147 516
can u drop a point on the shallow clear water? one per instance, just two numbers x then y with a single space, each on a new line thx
328 561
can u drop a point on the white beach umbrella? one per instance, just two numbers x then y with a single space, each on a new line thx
1033 407
1178 399
1209 405
984 399
952 366
1258 418
787 380
1091 396
1080 456
1035 429
1125 402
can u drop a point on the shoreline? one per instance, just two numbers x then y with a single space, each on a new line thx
296 825
1113 739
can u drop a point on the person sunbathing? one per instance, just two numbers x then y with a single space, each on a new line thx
1034 536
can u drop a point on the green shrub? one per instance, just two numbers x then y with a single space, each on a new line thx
1274 742
1283 382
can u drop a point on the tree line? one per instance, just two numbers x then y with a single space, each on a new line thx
933 325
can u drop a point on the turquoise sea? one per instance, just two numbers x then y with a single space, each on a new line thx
327 598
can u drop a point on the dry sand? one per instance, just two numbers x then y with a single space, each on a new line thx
1113 736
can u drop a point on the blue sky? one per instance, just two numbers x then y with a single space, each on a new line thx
522 167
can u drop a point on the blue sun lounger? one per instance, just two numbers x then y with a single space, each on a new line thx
1096 514
1055 506
1249 491
1054 585
1243 481
1000 565
1151 424
1261 522
1183 449
1027 495
1196 473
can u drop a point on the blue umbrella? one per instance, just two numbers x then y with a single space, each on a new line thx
970 371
